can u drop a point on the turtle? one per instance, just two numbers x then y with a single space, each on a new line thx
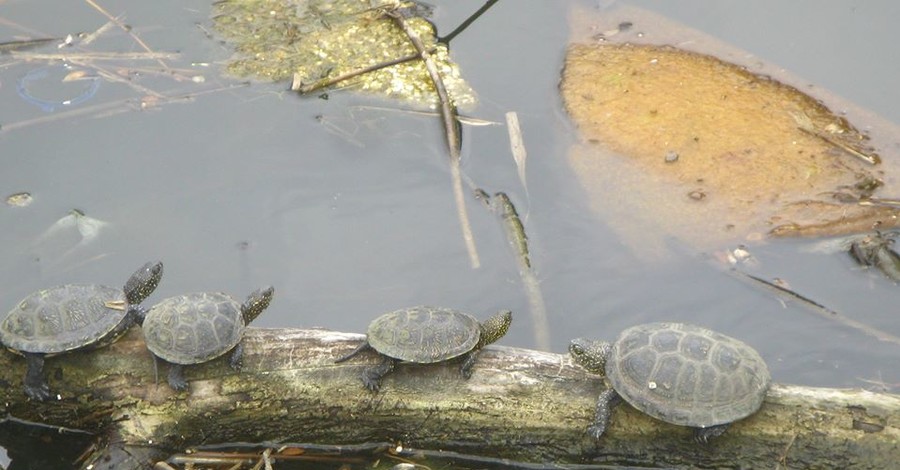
199 327
73 317
426 335
678 373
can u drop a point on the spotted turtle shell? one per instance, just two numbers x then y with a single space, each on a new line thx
424 334
194 328
687 375
63 318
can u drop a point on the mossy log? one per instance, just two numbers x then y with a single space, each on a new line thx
522 405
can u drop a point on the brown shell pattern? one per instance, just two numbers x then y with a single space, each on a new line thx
424 334
194 328
62 318
687 375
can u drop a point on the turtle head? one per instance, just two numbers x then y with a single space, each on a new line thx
495 327
256 302
590 354
143 282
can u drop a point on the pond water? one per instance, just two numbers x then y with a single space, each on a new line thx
345 205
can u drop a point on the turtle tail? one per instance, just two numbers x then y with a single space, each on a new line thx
362 347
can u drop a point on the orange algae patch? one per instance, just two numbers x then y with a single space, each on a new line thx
687 145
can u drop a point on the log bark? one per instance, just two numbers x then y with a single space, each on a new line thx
522 405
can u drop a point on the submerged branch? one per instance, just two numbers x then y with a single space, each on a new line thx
816 307
451 132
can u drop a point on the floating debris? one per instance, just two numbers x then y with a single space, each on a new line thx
88 228
69 96
517 146
22 199
317 40
875 250
7 47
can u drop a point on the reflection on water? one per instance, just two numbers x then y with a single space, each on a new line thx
350 217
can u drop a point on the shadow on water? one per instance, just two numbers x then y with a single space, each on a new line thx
348 209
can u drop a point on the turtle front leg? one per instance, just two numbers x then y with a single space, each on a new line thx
703 435
176 377
468 362
371 376
35 384
605 403
237 355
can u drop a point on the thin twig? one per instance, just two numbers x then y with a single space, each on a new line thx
113 107
115 78
96 34
465 24
95 55
296 85
819 308
6 47
467 120
125 28
451 132
805 124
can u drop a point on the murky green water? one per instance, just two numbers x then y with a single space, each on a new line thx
348 209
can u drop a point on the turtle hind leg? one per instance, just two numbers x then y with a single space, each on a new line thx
605 403
35 384
237 356
371 376
703 435
468 363
176 377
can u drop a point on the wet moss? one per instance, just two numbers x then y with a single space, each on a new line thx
308 41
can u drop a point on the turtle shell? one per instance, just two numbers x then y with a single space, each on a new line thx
687 375
64 318
424 334
194 328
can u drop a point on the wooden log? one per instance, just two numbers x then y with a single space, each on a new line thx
522 405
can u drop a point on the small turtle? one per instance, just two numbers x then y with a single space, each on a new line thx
425 335
199 327
73 317
681 374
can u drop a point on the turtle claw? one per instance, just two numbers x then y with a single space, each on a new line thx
371 376
596 431
703 435
176 379
372 384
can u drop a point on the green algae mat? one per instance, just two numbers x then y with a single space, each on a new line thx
310 41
